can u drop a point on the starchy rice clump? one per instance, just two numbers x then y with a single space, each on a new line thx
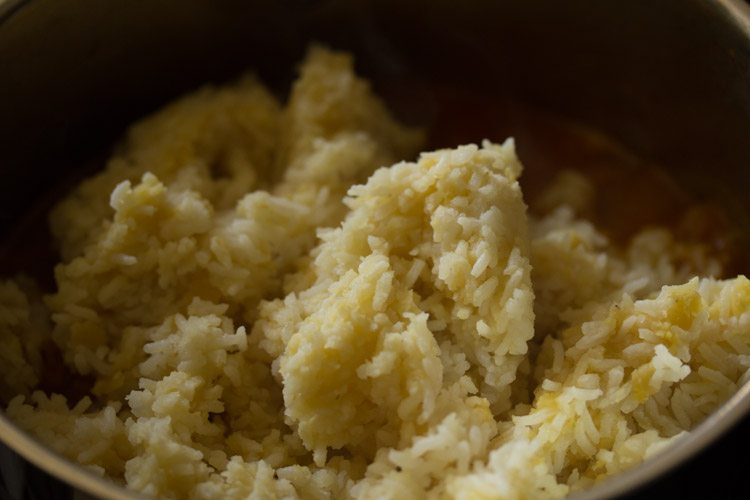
575 264
24 328
408 296
620 386
218 142
177 231
260 310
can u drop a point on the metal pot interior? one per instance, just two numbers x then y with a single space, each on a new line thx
667 79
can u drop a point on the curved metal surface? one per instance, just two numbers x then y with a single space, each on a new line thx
7 7
738 11
720 422
59 466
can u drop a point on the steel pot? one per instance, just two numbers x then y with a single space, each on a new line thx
670 79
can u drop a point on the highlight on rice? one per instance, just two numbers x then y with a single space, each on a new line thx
267 300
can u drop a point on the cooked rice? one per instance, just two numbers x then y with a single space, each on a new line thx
264 311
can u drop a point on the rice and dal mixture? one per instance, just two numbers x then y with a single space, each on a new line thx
265 308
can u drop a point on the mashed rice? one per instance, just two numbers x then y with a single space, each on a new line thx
264 311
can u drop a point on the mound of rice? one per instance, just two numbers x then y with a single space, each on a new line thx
262 310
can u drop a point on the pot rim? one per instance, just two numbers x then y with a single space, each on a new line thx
58 466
